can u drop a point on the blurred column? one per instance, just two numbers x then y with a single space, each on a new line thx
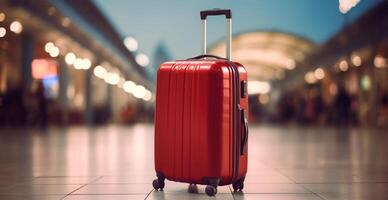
369 96
88 97
374 101
27 53
3 69
27 56
63 87
109 102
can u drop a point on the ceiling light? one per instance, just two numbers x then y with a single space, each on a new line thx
290 64
356 60
2 17
310 78
131 43
343 65
16 27
129 86
3 31
379 62
142 59
99 71
70 58
319 73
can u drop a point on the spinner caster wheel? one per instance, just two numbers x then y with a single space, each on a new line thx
158 184
211 190
238 186
193 188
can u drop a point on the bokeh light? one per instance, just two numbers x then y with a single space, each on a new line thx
16 27
131 43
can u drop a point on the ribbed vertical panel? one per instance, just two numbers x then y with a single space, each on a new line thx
186 130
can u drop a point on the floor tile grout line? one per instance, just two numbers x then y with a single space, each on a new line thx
273 192
231 192
79 188
332 183
318 195
294 181
74 191
35 177
278 171
118 183
149 194
95 180
109 194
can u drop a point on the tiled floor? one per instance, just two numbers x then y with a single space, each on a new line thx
115 162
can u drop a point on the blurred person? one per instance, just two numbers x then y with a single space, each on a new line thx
299 105
383 111
285 107
354 106
318 106
42 104
127 114
31 104
309 107
256 110
342 105
13 110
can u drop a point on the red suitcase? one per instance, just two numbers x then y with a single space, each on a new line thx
201 127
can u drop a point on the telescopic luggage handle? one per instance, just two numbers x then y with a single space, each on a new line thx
226 12
228 15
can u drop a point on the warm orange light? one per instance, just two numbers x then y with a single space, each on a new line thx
43 68
310 78
2 17
333 89
263 99
290 64
66 22
356 60
319 73
380 61
343 65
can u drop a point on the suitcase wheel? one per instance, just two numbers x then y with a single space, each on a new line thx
211 190
158 184
238 185
193 188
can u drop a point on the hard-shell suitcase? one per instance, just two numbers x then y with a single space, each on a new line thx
201 128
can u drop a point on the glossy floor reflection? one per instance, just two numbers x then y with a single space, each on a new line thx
116 162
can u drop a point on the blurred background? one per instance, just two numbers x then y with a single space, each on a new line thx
77 95
94 62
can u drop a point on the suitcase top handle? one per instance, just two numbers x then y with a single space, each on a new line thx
228 15
206 56
226 12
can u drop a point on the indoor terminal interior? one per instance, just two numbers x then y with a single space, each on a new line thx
78 92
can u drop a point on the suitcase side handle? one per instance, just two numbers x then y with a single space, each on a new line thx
244 122
228 15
